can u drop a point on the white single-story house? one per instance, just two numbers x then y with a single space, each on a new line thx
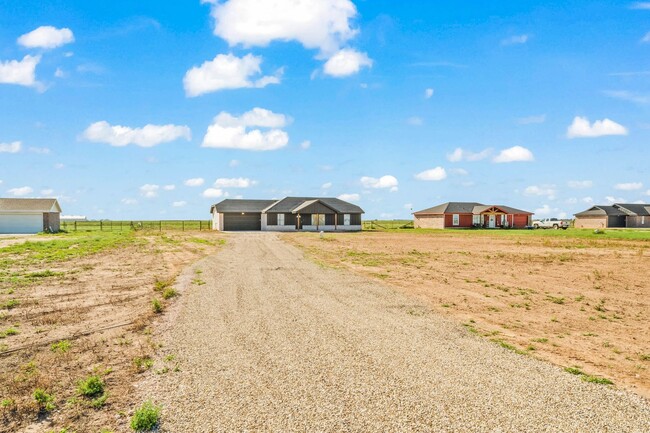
29 215
288 214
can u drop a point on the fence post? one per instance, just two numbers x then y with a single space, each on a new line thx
101 226
183 225
200 225
75 226
160 225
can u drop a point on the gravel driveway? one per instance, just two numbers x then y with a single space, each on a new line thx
273 342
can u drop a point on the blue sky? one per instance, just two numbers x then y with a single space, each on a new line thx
149 110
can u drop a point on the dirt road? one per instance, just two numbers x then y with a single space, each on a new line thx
273 342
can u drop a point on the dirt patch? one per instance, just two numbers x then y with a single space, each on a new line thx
65 317
571 301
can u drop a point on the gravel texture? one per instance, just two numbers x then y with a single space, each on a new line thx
273 342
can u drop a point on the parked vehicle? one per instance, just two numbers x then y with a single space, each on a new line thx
550 223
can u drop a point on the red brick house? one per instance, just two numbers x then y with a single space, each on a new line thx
471 214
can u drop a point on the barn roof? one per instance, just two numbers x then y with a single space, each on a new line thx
29 205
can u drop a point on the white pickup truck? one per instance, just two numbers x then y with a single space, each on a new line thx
550 223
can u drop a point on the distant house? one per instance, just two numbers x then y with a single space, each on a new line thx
288 214
29 215
471 214
616 215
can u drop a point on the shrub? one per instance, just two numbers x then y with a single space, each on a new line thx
142 364
61 347
91 387
156 306
45 401
146 417
10 304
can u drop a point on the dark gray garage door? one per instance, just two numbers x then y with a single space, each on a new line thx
237 221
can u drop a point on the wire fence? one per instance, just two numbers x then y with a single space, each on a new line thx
387 224
160 225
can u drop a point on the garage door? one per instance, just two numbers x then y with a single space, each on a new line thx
239 222
21 223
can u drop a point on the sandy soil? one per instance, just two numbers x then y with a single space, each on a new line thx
101 304
271 342
573 302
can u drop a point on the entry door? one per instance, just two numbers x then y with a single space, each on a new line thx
492 223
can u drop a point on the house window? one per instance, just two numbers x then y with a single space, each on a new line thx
346 219
280 219
456 219
318 219
476 220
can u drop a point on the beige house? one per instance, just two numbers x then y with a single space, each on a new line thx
29 215
618 215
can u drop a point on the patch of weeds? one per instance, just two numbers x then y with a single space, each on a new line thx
556 300
61 347
531 348
554 320
587 377
201 241
644 357
446 305
146 417
169 358
156 306
93 386
470 328
508 346
161 285
44 400
601 306
9 332
3 348
10 304
6 403
540 340
198 281
144 363
169 293
579 298
100 401
574 370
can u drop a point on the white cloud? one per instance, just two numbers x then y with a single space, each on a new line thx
630 186
646 38
460 154
514 154
625 95
415 121
428 93
326 185
515 40
305 145
169 187
587 200
547 211
611 199
147 136
129 201
179 203
581 128
20 192
383 182
231 132
213 193
227 71
346 62
349 197
22 73
39 150
458 171
434 174
541 191
233 163
13 147
47 192
195 181
46 37
239 182
580 184
532 119
316 24
149 190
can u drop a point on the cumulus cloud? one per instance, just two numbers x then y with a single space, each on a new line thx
22 73
611 199
383 182
460 154
47 37
541 191
239 182
428 93
581 128
179 203
548 211
580 184
169 187
346 62
349 197
434 174
515 40
147 136
629 186
514 154
21 191
213 193
230 132
227 71
195 181
316 24
13 147
149 190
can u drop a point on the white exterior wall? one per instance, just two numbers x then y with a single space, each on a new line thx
264 220
217 221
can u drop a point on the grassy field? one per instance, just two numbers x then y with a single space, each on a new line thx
75 316
156 225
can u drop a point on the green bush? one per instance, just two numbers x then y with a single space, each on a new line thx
61 347
146 417
156 306
169 293
91 387
45 401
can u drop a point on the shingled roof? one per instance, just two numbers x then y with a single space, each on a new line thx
466 207
601 211
286 205
634 209
237 205
29 205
